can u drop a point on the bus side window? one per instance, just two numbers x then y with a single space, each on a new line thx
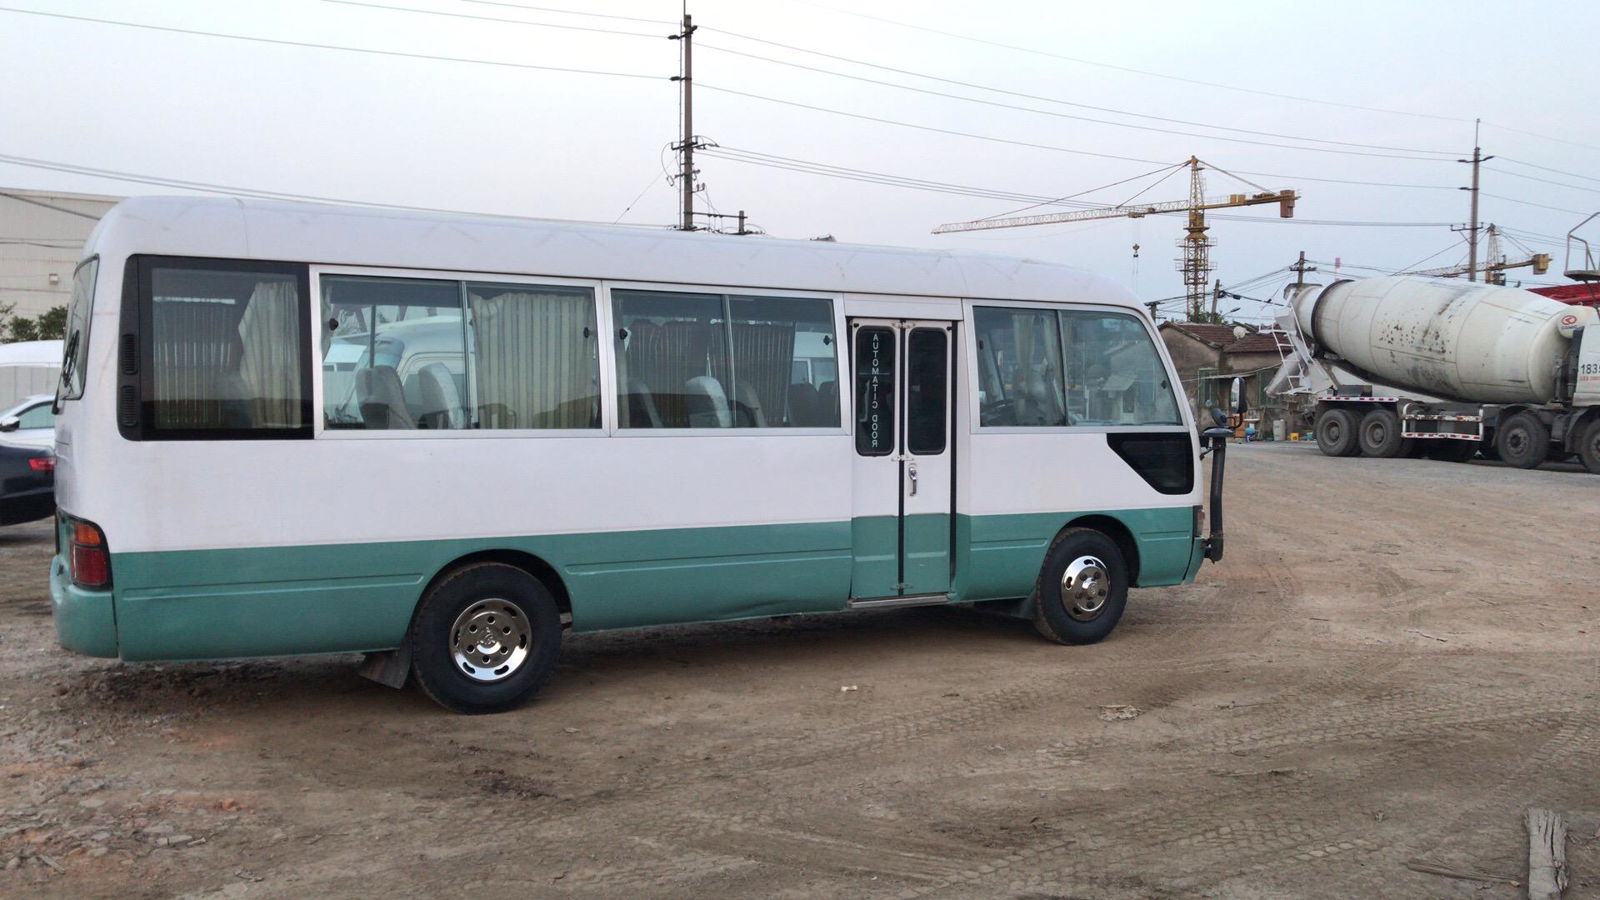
785 362
394 357
1114 374
1019 368
226 344
535 356
689 360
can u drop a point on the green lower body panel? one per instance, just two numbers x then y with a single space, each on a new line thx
86 621
355 597
927 550
999 557
876 568
271 601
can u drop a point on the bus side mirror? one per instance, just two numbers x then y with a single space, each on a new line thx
10 423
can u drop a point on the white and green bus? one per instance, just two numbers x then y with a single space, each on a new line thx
446 440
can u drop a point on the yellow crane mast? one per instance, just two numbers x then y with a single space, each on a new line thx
1196 246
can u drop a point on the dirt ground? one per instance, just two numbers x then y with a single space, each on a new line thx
1395 660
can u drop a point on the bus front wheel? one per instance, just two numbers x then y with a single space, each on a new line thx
485 639
1081 589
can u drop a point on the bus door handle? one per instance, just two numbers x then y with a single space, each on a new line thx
911 472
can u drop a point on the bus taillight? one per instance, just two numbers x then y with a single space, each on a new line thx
91 561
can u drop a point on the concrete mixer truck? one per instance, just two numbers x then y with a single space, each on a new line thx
1386 367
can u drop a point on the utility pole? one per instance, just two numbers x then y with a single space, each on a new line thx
1472 230
1216 297
1300 269
687 147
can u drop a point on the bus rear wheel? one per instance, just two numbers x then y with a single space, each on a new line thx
485 639
1082 588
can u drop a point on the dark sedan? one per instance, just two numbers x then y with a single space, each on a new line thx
27 483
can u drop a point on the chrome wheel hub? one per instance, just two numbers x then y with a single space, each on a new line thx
490 640
1084 588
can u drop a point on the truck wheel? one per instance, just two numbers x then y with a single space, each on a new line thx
485 639
1523 441
1336 433
1081 589
1589 446
1380 435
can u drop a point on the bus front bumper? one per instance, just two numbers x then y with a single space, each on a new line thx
86 620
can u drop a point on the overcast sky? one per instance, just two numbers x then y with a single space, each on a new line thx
1380 92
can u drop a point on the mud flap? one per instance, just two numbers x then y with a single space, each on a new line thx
388 667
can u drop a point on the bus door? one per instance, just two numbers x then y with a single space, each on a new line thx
903 476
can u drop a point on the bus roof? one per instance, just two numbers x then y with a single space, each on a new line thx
359 236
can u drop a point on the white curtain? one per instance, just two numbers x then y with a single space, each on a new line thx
534 361
270 364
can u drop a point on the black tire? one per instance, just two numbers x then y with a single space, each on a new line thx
1380 435
1589 446
1453 451
482 595
1523 441
1336 432
1062 612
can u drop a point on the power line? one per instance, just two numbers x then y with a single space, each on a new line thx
1105 65
891 180
1046 99
1574 187
1543 137
1537 205
233 190
1548 169
574 12
458 15
315 46
60 209
967 134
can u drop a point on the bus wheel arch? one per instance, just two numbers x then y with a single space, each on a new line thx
1118 533
527 562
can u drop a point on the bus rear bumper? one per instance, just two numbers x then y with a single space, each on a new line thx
86 620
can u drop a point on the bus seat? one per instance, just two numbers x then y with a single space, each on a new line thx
827 408
441 400
749 407
802 404
1043 402
707 403
641 407
383 401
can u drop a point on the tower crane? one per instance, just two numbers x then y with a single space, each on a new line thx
1196 261
1495 271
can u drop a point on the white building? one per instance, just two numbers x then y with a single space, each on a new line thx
41 237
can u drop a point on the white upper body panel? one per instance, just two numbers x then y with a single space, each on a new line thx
341 235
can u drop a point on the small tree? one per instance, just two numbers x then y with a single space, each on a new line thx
52 323
22 328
